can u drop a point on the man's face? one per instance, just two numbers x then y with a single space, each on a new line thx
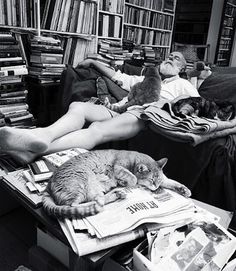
173 65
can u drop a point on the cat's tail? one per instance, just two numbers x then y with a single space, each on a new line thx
64 211
115 107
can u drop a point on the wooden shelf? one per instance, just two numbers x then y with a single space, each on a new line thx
149 9
150 28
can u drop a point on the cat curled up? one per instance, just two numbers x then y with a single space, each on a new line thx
144 92
85 183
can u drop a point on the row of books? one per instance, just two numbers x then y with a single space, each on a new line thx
76 49
148 18
109 26
13 92
113 6
146 36
160 5
18 13
75 16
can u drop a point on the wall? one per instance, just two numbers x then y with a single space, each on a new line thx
233 54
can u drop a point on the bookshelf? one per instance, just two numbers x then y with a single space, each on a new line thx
150 25
82 24
226 34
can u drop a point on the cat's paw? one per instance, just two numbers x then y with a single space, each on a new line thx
106 102
183 190
120 194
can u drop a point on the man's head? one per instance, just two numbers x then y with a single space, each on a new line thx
173 64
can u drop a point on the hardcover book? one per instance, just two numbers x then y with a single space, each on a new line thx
41 170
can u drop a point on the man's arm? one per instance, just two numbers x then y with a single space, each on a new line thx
107 71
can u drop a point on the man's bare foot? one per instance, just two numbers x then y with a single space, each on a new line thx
15 139
23 157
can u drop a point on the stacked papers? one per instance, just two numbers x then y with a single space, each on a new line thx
129 219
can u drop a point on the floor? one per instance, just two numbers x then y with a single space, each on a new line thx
17 235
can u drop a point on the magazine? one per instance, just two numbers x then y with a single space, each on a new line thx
58 158
199 245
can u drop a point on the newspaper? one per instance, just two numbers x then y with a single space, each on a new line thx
203 245
83 243
141 206
165 208
58 158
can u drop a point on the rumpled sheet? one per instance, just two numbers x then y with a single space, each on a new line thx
192 129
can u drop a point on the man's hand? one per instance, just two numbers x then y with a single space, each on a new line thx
86 63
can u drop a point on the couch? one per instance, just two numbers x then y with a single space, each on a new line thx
209 169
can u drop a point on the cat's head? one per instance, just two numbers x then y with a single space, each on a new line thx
150 174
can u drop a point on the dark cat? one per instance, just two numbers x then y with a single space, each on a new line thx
147 91
85 183
202 107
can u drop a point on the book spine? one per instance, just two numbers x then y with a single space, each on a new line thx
22 71
14 93
12 67
12 120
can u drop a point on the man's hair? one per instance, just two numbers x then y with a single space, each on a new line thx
184 62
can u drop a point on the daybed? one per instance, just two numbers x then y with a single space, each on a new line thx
208 169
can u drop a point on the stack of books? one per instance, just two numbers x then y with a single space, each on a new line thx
13 92
31 181
46 60
113 50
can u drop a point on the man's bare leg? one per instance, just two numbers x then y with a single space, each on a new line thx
37 140
121 127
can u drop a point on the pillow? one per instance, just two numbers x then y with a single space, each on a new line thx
219 87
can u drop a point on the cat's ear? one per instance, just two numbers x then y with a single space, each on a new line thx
161 163
142 168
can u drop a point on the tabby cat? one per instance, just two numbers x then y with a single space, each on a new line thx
85 183
202 107
147 91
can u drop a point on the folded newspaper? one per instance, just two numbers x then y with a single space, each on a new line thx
133 217
200 245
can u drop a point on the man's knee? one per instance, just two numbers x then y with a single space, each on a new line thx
76 106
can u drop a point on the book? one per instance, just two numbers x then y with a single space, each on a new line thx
14 119
18 71
16 113
12 86
47 58
13 93
13 107
12 67
41 170
12 100
10 61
